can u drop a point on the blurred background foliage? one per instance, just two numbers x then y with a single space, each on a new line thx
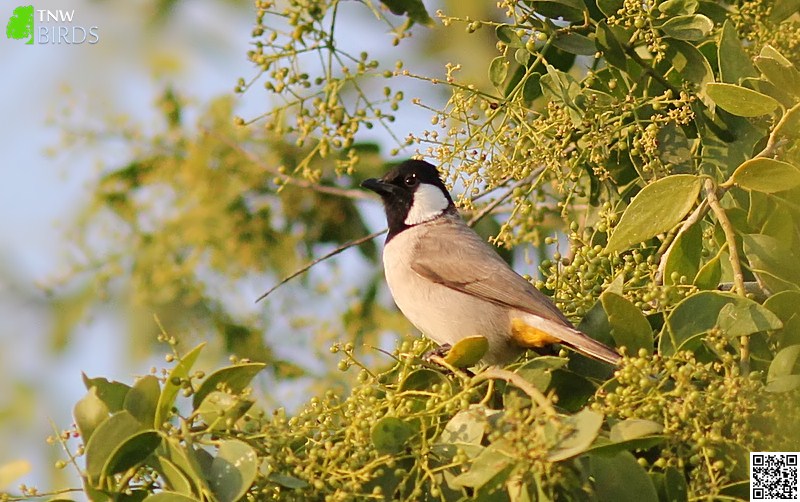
643 155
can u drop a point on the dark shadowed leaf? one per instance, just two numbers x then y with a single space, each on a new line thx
684 255
389 435
105 440
574 43
773 261
694 316
142 400
620 478
629 327
131 452
734 63
786 305
89 413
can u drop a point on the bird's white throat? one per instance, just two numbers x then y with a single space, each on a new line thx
429 202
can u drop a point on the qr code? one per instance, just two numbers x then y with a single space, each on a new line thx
773 476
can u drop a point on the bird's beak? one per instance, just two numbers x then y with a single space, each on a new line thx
378 186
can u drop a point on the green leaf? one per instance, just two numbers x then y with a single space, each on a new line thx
657 208
89 413
131 452
287 481
786 383
766 175
692 27
784 363
709 275
696 314
634 428
508 35
233 470
740 100
584 425
629 327
779 71
675 149
683 259
172 385
532 89
781 9
675 485
574 43
773 261
786 305
684 62
142 400
678 7
414 9
734 63
498 71
738 320
612 49
389 435
568 10
490 463
175 478
610 7
169 497
233 379
185 459
606 447
467 351
110 392
466 430
220 407
106 438
620 478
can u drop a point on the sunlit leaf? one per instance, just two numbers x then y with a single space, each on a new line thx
657 208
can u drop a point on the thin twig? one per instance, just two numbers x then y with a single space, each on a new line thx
493 205
736 265
304 268
522 384
348 193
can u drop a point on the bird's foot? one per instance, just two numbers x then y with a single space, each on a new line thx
440 351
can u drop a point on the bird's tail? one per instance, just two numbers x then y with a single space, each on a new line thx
540 329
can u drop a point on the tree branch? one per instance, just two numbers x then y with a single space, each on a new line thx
736 264
307 266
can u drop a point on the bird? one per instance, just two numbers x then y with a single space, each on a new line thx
451 284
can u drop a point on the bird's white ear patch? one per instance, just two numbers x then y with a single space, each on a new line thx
429 202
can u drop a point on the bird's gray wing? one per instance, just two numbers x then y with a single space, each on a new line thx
453 255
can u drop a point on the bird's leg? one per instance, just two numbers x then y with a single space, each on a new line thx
439 351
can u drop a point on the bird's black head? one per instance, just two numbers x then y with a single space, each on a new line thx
412 193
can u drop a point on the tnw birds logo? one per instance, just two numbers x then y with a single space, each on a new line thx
44 26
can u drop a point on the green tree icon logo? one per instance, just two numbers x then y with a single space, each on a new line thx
20 25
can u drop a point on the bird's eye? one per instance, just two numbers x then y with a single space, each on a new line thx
410 180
